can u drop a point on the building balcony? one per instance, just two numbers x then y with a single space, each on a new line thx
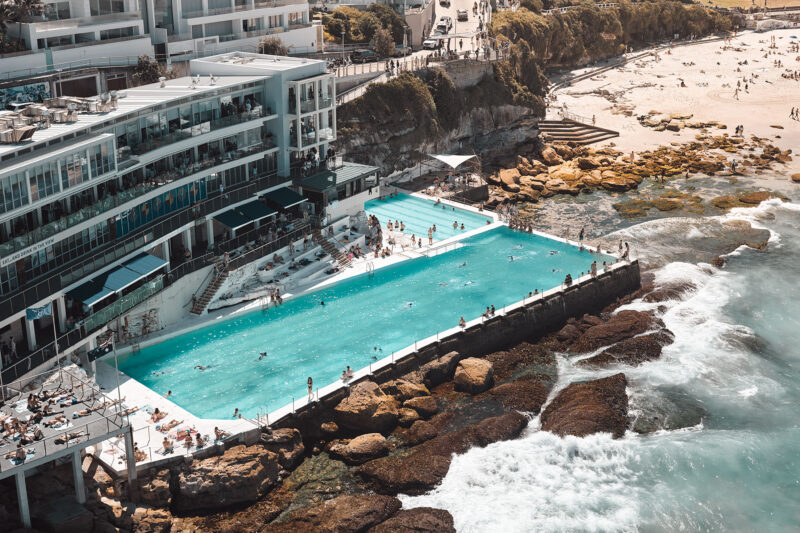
114 201
32 291
212 125
81 22
217 11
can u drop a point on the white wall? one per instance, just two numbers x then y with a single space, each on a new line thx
352 205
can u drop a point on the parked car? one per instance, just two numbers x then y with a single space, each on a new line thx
462 14
447 21
431 44
441 29
401 51
363 56
445 3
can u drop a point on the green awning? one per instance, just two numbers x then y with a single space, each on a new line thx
256 210
90 292
284 197
145 264
232 219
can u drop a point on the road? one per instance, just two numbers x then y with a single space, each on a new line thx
463 29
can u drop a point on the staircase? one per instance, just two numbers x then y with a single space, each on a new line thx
570 130
334 252
213 286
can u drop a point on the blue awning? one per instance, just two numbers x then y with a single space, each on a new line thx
90 293
120 278
145 264
233 219
256 210
285 197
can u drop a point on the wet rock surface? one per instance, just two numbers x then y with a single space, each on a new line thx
427 465
634 351
417 520
473 375
343 514
620 326
597 406
360 449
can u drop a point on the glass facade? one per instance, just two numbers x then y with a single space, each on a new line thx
106 7
43 180
13 192
64 251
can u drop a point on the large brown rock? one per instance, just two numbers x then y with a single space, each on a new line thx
150 520
287 444
402 389
634 351
344 514
526 394
425 405
509 178
428 464
366 409
360 449
506 362
154 488
417 520
550 157
419 432
241 475
473 375
623 325
437 371
407 416
599 406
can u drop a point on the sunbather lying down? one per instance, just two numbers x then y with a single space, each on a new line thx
158 415
166 427
63 439
128 411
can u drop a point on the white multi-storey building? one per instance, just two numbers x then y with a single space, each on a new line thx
97 33
104 201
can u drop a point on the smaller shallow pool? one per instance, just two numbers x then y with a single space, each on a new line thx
419 214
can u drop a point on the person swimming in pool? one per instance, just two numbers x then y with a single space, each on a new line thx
442 284
470 282
322 303
409 304
262 355
553 252
462 264
510 257
201 367
517 247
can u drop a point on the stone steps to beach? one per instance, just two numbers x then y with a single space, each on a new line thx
570 130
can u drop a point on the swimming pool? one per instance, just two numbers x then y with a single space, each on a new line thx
362 318
419 214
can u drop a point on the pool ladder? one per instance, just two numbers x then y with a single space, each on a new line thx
370 268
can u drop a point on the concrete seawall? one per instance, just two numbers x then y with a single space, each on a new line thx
535 317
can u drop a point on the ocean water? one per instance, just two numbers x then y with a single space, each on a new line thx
736 360
363 319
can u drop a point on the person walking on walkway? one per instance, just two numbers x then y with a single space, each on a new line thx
310 389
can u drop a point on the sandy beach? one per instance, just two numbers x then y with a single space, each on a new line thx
651 85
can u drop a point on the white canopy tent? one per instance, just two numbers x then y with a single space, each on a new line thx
453 161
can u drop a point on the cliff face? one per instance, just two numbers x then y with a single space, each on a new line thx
491 132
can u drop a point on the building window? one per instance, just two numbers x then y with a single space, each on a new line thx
13 192
8 279
275 21
106 7
118 33
296 18
57 11
43 181
74 170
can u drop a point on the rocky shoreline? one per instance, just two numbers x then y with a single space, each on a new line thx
395 437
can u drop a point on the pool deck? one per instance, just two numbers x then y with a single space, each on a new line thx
150 440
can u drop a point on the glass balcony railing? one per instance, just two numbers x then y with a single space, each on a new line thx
108 313
200 129
306 106
325 101
114 201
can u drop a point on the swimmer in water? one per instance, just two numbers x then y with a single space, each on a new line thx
517 247
462 264
201 367
322 302
510 257
553 252
442 284
470 282
409 304
262 356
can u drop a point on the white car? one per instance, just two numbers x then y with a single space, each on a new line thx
447 21
431 44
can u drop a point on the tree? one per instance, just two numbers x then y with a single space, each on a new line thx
384 43
273 46
147 71
368 24
390 20
24 10
7 15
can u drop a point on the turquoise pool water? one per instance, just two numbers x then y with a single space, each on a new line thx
419 214
363 319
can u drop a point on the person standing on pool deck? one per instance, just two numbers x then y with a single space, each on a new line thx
580 235
310 389
430 236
